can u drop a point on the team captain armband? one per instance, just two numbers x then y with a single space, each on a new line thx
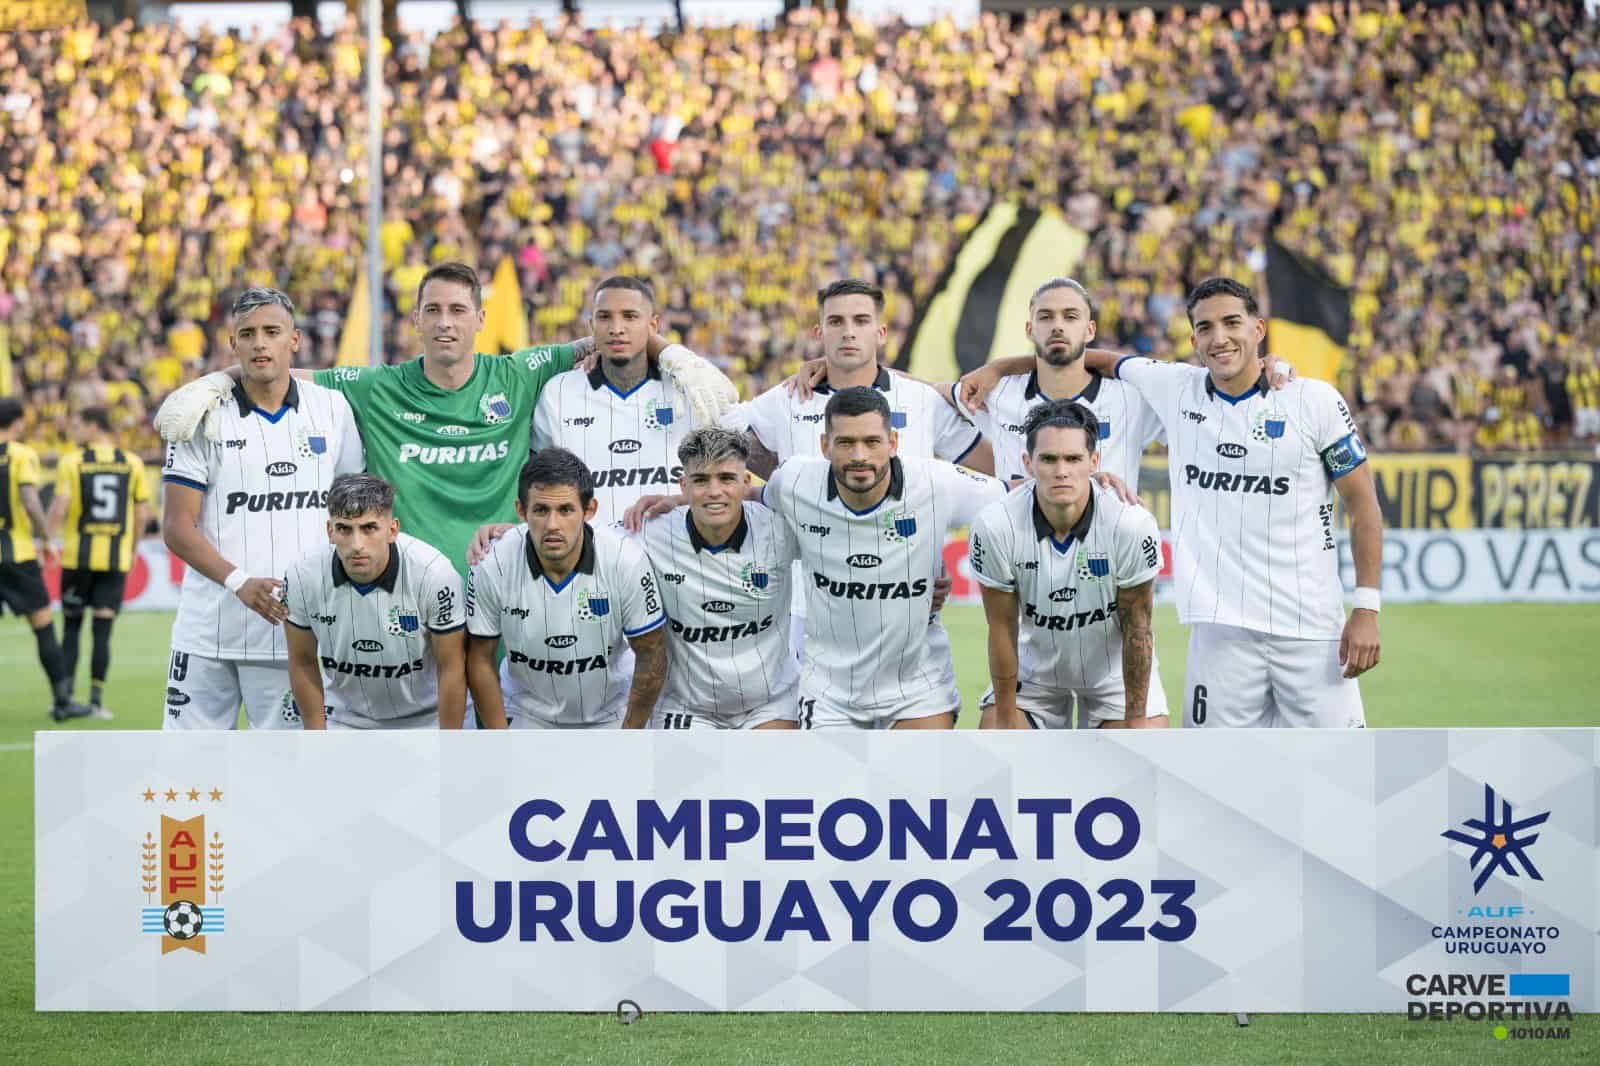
1344 456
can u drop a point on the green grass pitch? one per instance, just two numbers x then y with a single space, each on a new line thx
1521 665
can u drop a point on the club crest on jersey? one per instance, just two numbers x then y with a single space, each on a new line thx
593 605
402 622
659 417
1093 565
1105 429
308 445
901 525
897 420
496 408
756 581
1267 428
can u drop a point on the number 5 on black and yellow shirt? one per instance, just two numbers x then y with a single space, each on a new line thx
101 488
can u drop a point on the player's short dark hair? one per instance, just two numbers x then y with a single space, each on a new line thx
1061 414
353 495
457 272
710 445
553 467
98 417
1223 287
850 287
856 400
629 284
1062 283
10 411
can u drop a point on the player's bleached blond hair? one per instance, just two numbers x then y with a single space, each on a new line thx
710 445
258 296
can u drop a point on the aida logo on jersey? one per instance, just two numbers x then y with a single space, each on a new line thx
1266 427
560 640
452 431
1230 450
1092 565
716 606
626 446
496 408
368 645
1217 481
659 418
593 605
402 622
1066 595
257 502
901 525
284 469
864 560
309 445
446 456
755 580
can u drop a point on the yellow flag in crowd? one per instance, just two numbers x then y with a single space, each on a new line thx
505 327
6 384
357 320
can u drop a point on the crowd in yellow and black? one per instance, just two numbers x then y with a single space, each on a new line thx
1443 161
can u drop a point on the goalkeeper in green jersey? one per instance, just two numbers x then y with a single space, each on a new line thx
450 430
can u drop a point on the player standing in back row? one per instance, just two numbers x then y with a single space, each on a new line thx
238 510
1255 560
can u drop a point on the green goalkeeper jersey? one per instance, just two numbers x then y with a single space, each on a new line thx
452 456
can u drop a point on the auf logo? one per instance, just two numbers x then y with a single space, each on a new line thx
1499 842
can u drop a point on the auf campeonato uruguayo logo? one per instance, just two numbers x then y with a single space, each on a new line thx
181 870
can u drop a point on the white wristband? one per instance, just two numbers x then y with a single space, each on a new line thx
1367 600
235 579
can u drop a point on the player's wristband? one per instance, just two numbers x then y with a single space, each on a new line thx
1367 600
235 580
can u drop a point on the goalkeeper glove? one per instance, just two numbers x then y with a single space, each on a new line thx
699 386
182 412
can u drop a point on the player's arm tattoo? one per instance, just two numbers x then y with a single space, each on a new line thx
649 675
1138 645
762 462
35 509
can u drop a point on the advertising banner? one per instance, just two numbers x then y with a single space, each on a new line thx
1444 874
1536 493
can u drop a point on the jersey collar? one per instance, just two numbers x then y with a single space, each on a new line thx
586 557
733 543
597 377
897 481
1260 386
1090 391
386 580
291 400
1045 531
881 383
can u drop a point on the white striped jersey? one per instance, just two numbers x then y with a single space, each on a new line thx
727 611
629 441
373 641
564 642
266 491
1069 636
1127 423
1252 497
869 576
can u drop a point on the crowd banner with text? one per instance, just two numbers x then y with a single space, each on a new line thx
1386 871
1536 493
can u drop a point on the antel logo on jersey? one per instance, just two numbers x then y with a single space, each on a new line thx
368 645
624 447
560 640
284 469
1066 595
453 431
1229 450
717 606
864 560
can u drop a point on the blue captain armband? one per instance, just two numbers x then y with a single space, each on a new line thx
1344 456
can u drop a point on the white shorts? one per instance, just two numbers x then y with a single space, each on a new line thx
206 693
943 664
1051 708
822 713
1244 679
670 714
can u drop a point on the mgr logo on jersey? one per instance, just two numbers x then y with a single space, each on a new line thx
402 623
659 417
593 605
181 877
756 580
496 408
309 445
1268 426
1504 841
900 525
1092 565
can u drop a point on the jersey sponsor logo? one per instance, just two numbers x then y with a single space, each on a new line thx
975 551
446 456
622 477
452 431
1325 516
867 590
818 531
627 446
496 408
755 580
864 560
236 442
560 640
582 423
1344 456
374 671
1092 565
172 457
593 605
1151 551
1266 427
812 419
672 579
284 469
1063 623
659 417
1196 417
1066 595
1230 450
1217 481
176 697
414 417
716 606
652 599
718 634
899 526
347 373
368 645
256 502
581 665
309 445
517 612
446 599
402 622
325 619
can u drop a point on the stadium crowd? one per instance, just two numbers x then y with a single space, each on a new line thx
1444 162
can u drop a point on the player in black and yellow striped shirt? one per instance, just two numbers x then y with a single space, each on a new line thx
22 541
102 495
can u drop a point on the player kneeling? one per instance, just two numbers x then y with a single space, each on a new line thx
564 595
376 621
1067 573
724 567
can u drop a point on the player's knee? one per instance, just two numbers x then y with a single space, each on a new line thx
40 618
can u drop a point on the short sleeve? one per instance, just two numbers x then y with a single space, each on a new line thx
352 457
28 467
545 419
138 489
954 436
765 416
1160 384
295 594
1138 548
778 487
541 363
968 491
189 462
66 475
1333 430
641 597
444 598
355 383
483 597
989 549
736 419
